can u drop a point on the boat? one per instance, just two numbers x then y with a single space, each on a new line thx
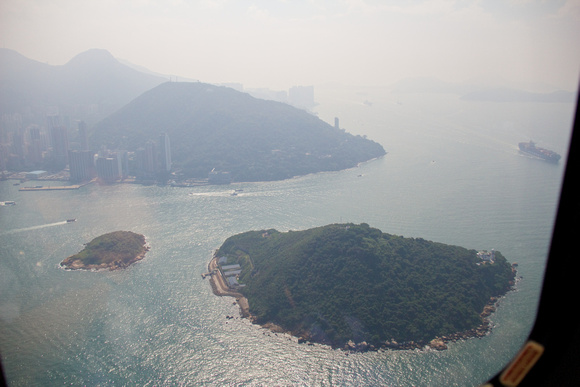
545 154
8 203
71 220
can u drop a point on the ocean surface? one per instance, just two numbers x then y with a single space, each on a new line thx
453 174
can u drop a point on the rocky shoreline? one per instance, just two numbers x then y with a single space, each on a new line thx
77 264
72 263
219 288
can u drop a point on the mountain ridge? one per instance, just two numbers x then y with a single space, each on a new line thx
91 78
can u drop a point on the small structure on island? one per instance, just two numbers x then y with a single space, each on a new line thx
487 256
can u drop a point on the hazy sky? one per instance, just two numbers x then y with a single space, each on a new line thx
281 43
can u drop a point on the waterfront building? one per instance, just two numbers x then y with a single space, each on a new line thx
59 142
164 153
81 165
108 169
147 161
34 153
83 136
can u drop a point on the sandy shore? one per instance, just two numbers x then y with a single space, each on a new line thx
220 288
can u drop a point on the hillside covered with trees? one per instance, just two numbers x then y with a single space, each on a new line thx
346 282
212 127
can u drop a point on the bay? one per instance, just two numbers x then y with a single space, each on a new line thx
452 174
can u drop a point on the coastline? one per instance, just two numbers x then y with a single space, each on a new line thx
220 288
78 264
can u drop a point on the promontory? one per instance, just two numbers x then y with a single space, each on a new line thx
218 129
354 287
112 251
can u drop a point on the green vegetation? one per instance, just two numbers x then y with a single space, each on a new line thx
218 127
346 282
112 251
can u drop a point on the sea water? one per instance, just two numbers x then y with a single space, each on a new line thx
452 174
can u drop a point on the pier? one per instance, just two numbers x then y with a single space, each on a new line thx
55 188
208 274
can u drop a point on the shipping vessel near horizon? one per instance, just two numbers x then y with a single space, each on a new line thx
545 154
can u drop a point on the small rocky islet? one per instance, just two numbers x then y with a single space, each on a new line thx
112 251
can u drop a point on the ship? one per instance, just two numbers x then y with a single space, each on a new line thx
71 220
545 154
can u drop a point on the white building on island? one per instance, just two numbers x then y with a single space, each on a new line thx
487 256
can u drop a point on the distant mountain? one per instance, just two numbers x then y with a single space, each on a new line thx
430 85
496 90
217 127
145 70
511 95
92 78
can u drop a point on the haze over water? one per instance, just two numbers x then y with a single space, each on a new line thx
452 174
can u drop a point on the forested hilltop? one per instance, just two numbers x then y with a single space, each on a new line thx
346 283
212 127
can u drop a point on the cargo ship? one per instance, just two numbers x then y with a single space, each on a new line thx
545 154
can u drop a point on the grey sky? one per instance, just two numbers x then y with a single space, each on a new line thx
280 43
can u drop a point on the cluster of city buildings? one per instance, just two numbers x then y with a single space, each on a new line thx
48 147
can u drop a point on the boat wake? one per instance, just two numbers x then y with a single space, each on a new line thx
34 227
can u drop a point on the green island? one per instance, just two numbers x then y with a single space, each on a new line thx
356 288
112 251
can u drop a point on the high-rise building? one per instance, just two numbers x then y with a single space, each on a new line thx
108 169
81 165
18 145
4 155
164 152
147 161
83 136
34 155
59 141
123 157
